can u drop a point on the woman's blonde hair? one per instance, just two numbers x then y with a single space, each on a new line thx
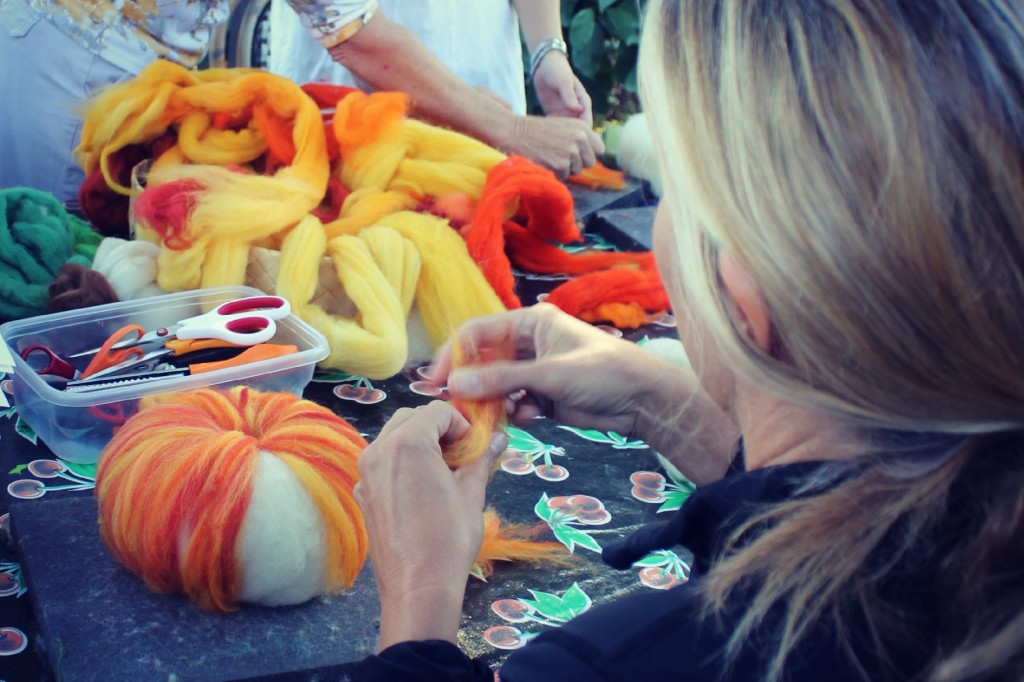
863 160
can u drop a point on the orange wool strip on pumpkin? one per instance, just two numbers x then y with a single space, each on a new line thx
521 188
643 288
599 176
175 483
515 542
534 254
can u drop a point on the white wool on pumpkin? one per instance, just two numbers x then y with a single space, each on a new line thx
282 540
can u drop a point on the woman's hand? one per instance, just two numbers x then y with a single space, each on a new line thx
581 376
566 368
559 91
424 521
565 145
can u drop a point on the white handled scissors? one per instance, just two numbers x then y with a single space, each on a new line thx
243 321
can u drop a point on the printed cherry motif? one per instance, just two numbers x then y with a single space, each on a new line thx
648 486
584 509
7 386
516 463
526 454
512 610
659 578
504 637
552 472
428 389
360 394
5 524
9 585
46 468
26 489
12 641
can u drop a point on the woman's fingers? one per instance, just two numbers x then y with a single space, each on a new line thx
519 328
472 478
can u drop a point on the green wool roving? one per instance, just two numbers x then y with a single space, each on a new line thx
37 237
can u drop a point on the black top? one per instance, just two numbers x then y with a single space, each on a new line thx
662 635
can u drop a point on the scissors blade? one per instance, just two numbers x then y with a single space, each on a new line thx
133 365
82 385
148 337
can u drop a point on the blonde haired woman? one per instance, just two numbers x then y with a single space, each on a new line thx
843 232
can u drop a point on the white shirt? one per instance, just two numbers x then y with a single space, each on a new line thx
477 39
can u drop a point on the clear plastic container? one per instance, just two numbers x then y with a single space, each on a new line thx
76 426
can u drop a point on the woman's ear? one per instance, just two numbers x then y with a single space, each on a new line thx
751 309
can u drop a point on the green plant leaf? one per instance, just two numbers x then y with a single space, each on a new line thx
684 484
576 600
605 4
588 434
522 441
87 471
18 469
673 501
587 43
581 30
542 510
654 559
571 537
624 22
547 605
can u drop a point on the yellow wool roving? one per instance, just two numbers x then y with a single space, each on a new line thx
209 201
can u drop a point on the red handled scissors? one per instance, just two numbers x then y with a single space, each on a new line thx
244 321
56 366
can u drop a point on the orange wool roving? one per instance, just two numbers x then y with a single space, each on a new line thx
190 487
622 296
484 416
518 543
517 188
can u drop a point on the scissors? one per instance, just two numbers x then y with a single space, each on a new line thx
166 363
244 321
56 366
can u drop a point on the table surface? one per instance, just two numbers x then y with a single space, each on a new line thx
66 605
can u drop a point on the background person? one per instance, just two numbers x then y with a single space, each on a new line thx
844 240
54 54
461 63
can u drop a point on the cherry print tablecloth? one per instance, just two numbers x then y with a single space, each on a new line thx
588 488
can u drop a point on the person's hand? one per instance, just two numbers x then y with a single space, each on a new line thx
566 369
565 145
425 522
559 91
